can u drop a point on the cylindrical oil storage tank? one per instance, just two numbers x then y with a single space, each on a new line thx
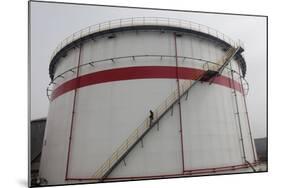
133 99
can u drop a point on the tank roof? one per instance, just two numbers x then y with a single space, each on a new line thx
143 23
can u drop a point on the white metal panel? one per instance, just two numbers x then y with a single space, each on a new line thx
54 153
105 116
159 44
67 62
161 152
129 44
209 136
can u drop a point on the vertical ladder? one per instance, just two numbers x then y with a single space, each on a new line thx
238 117
239 123
138 134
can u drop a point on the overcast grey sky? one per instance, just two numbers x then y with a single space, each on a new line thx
51 23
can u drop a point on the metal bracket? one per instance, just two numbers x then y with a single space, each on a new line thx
64 55
213 79
186 95
141 143
172 110
183 59
124 162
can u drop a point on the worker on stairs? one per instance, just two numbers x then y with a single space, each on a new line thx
151 117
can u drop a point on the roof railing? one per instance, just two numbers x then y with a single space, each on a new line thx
137 21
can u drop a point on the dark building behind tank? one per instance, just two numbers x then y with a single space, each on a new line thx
37 129
261 147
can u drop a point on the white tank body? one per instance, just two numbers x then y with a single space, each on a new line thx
105 85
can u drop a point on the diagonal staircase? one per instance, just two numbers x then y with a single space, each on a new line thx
137 135
213 70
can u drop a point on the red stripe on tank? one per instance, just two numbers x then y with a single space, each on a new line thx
133 73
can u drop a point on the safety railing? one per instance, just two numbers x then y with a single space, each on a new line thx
136 21
62 76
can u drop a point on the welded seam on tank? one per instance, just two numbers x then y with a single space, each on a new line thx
179 103
72 115
134 73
